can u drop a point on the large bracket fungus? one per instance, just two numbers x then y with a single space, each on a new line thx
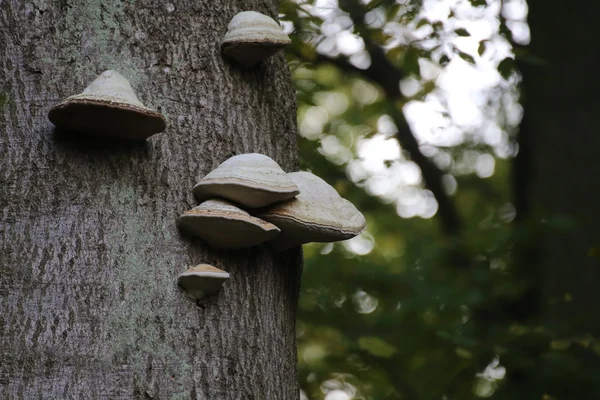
317 214
226 226
252 37
202 280
108 107
252 180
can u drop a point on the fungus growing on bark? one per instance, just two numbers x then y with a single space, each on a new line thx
252 37
108 107
317 214
252 180
225 226
202 280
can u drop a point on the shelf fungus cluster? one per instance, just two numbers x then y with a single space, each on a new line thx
252 37
249 199
109 108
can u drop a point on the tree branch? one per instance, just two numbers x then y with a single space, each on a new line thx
384 74
432 175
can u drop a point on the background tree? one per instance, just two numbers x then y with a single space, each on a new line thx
89 246
557 204
491 298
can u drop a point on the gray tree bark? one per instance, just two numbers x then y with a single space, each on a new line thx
89 245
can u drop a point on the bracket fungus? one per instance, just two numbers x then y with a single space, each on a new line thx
252 180
226 226
202 280
108 107
252 37
318 214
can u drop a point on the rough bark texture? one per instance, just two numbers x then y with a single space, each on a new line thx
89 245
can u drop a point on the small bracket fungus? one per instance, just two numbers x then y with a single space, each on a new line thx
252 37
225 226
252 180
318 214
202 280
108 107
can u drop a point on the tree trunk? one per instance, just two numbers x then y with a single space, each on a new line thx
89 245
557 193
561 126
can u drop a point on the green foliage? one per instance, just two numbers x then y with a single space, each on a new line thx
506 67
407 311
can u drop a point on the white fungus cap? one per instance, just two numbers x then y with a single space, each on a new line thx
252 37
252 180
317 214
225 226
108 107
202 280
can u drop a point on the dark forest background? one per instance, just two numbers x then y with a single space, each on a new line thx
466 131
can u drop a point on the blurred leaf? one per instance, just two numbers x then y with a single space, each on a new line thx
524 56
463 353
478 3
423 22
411 62
397 53
409 15
462 32
560 345
482 47
376 346
438 25
380 37
506 67
505 31
468 58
